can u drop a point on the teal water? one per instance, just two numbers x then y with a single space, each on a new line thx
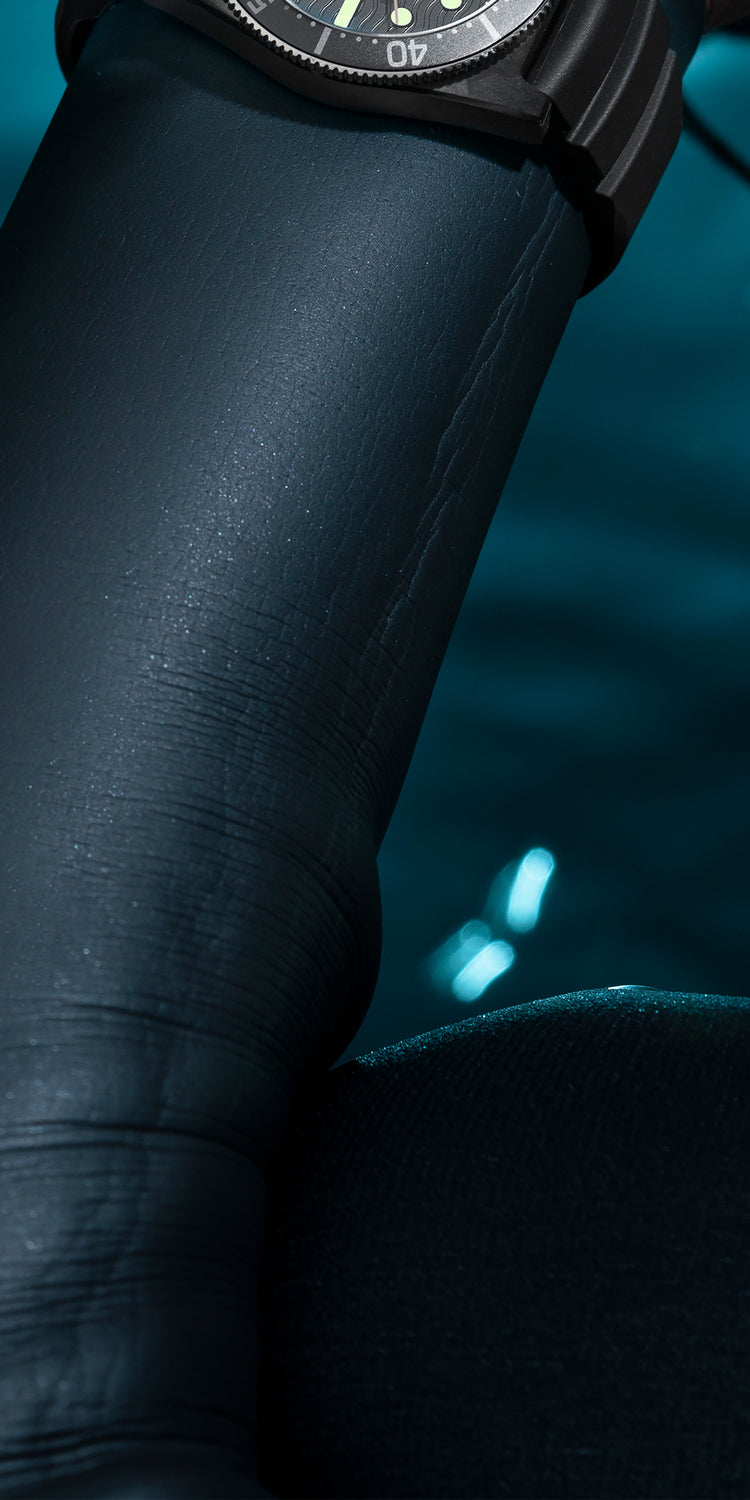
577 812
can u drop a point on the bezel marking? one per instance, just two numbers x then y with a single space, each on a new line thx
445 50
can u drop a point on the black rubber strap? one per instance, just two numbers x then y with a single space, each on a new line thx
611 153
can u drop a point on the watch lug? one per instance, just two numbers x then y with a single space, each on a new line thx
499 100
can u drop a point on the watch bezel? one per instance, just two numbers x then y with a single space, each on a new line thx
341 51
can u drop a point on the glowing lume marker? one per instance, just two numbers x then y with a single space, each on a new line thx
345 14
401 16
451 4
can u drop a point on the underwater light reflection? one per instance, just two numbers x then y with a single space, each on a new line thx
476 955
525 898
487 965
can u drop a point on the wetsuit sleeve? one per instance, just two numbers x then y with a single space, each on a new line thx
265 367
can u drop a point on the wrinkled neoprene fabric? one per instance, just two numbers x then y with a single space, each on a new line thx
510 1258
256 422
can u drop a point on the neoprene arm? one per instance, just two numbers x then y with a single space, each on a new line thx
265 368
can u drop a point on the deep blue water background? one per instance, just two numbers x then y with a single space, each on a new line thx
595 698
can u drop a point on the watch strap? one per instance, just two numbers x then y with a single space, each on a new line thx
616 91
